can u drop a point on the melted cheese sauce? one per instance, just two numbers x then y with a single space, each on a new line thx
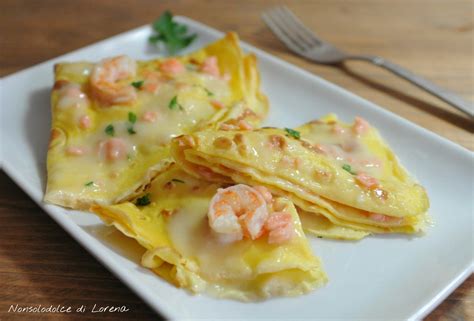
193 106
77 72
226 267
193 92
190 233
345 147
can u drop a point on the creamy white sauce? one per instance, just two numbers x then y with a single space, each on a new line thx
192 90
190 233
345 147
77 69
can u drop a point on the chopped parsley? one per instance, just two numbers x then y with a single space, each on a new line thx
110 130
293 133
348 168
177 180
132 117
208 92
174 104
172 34
144 200
191 67
138 84
89 183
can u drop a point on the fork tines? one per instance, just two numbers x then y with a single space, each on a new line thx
289 29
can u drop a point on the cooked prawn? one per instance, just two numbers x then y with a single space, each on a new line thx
113 149
150 116
237 211
71 95
360 126
267 196
153 81
280 227
386 219
241 211
366 180
85 122
106 77
172 66
210 66
75 151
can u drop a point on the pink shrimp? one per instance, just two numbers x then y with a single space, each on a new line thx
267 196
210 66
366 180
244 125
105 80
75 151
85 122
386 219
361 126
150 116
237 211
322 149
113 149
217 104
152 81
338 130
227 127
280 227
71 95
172 66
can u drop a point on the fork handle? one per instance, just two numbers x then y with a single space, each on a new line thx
443 94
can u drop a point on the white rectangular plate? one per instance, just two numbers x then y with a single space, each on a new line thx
389 277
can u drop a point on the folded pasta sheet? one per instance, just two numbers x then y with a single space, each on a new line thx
236 242
344 173
112 121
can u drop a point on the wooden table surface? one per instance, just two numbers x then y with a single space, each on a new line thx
41 264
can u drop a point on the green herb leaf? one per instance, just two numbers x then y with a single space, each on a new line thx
172 34
132 117
174 104
208 92
110 130
177 180
131 131
191 67
348 168
293 133
89 183
144 200
138 84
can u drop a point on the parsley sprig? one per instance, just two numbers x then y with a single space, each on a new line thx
110 130
348 169
138 84
208 92
172 34
144 200
132 118
293 133
173 104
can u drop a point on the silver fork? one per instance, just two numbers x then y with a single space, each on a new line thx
299 39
